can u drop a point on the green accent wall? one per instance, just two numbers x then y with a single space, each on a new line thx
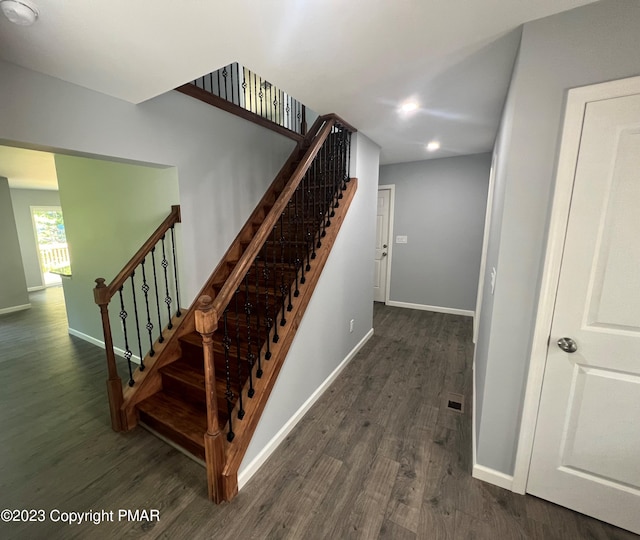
109 209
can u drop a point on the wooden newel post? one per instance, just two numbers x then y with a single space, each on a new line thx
114 384
206 325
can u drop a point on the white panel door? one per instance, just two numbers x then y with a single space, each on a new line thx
380 262
586 453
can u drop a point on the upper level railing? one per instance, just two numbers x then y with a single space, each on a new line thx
235 88
148 298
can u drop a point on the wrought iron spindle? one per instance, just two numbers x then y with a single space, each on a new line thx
283 288
175 272
233 100
267 306
127 350
248 311
238 355
314 188
228 394
149 325
155 288
274 233
225 73
254 267
296 224
135 311
167 299
307 224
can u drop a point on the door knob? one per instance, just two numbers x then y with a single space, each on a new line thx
567 345
384 254
384 246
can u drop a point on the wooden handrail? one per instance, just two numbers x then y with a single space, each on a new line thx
223 298
333 116
123 275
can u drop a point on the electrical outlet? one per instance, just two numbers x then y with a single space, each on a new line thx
401 239
351 323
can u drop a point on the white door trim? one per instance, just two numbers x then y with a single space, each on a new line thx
392 205
577 99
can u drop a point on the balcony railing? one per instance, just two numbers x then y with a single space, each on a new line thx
239 86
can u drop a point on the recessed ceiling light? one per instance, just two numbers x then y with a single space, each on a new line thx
433 146
409 106
20 12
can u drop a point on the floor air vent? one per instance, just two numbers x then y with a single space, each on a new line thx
455 402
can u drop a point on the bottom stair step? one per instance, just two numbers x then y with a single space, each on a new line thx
179 421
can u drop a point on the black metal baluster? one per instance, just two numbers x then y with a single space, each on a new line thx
238 355
348 157
155 287
314 187
248 310
261 95
288 111
225 73
167 299
283 288
149 325
296 221
233 100
276 337
219 91
254 266
267 306
175 272
228 394
327 181
307 230
135 311
127 350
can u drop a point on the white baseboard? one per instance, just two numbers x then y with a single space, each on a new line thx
86 337
36 288
245 474
437 309
492 476
14 308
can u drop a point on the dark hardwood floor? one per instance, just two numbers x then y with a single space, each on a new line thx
378 456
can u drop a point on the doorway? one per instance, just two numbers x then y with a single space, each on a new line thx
384 232
51 241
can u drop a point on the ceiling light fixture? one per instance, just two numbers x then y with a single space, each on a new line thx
433 146
20 12
410 106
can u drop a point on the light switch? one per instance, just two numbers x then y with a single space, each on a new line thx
493 279
401 239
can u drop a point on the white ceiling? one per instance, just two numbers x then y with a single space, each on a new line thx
358 58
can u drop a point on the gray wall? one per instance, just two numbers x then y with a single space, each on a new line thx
13 286
22 200
224 162
344 292
591 44
440 205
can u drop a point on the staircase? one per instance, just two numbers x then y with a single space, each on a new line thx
207 377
